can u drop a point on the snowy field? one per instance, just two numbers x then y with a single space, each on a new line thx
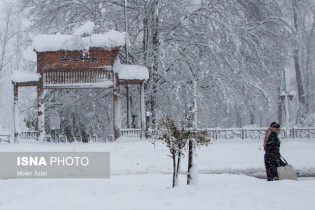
141 179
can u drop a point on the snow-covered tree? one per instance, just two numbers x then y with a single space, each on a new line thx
302 15
11 46
236 51
176 136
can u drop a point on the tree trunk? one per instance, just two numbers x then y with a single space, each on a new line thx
178 166
190 161
251 116
145 37
238 118
298 67
41 107
156 43
280 106
174 170
300 85
309 72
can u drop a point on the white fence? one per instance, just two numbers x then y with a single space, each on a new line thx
5 138
219 133
258 133
28 135
131 133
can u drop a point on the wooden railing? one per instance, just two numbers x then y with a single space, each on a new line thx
257 133
131 133
74 77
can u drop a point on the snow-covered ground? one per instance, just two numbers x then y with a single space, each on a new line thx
141 179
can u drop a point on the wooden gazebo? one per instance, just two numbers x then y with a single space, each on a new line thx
73 61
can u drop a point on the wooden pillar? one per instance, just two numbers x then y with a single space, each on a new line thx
16 112
117 114
41 110
128 107
142 109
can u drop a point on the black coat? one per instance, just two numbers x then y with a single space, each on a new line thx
273 144
272 156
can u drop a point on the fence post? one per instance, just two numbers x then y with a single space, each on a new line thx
293 133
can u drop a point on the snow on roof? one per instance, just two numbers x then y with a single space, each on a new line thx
24 76
56 42
130 72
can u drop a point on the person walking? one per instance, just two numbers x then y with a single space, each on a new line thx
272 151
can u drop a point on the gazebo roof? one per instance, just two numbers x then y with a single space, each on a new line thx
24 76
128 72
